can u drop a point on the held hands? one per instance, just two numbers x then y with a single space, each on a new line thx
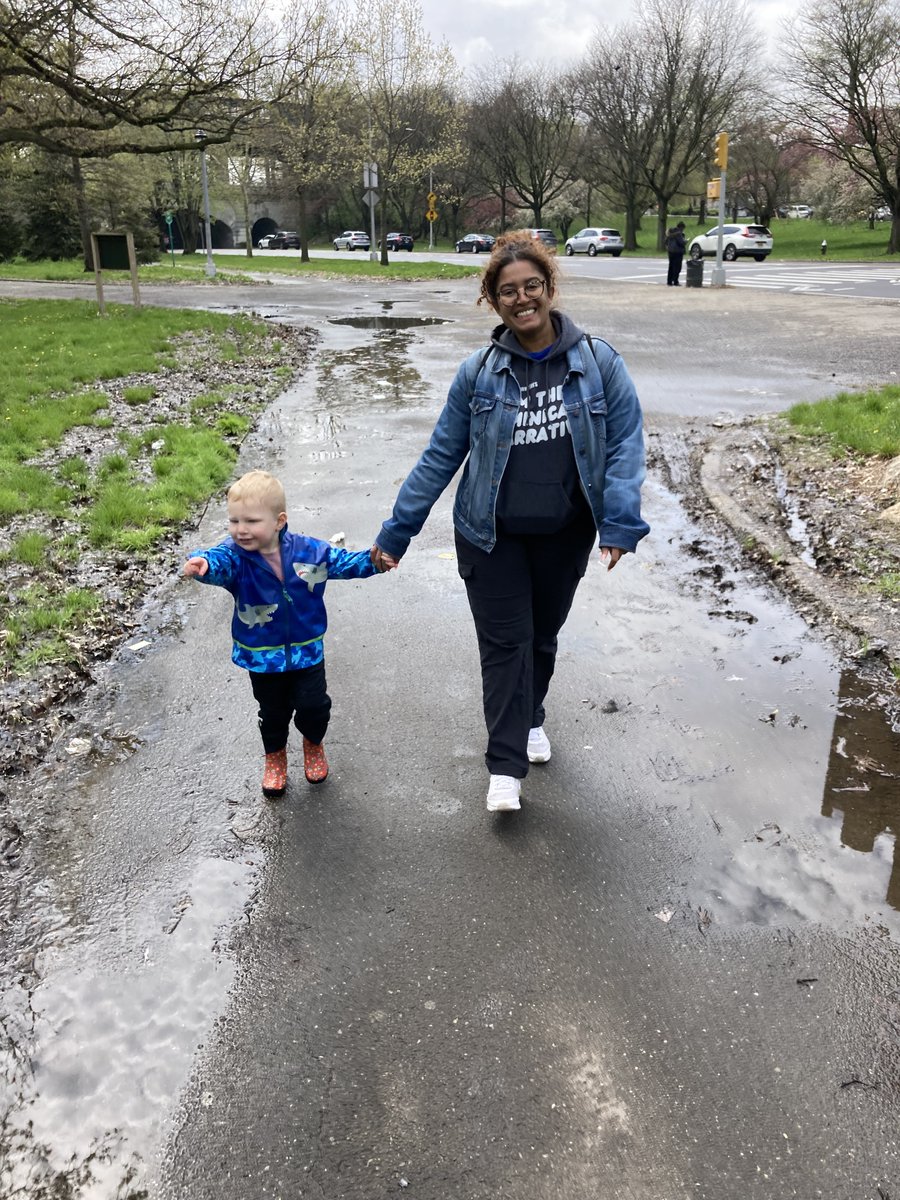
383 562
611 555
195 567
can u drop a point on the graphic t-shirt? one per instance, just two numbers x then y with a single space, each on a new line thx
540 491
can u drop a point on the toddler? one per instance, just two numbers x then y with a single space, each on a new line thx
277 579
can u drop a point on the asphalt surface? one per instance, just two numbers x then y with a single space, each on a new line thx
674 974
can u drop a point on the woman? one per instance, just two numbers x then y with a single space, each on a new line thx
549 426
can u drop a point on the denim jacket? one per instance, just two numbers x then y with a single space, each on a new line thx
476 427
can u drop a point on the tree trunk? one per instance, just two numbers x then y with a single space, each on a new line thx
302 219
382 218
245 200
84 215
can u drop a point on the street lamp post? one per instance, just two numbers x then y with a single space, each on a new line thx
210 265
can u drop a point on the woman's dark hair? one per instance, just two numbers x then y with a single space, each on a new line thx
513 247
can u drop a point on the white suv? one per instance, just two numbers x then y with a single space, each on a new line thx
803 211
352 239
738 241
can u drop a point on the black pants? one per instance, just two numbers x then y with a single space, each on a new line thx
520 595
285 694
675 261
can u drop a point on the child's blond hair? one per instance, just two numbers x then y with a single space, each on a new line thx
260 486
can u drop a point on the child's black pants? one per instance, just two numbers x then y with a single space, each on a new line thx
282 695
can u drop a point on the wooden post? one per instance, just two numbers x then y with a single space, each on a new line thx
132 264
98 278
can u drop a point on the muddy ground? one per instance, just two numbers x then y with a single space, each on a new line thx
36 707
826 529
811 522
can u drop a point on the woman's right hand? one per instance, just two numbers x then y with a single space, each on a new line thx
383 562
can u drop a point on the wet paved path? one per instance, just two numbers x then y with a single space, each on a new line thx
675 974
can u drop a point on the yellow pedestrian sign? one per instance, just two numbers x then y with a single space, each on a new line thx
432 200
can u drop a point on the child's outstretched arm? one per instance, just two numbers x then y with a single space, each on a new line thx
195 567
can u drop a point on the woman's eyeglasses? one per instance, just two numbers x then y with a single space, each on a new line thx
531 287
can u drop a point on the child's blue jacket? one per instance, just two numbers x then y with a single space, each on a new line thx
280 626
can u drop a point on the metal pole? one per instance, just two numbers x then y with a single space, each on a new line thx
718 275
210 265
430 223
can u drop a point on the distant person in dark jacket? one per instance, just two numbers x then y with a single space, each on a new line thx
675 245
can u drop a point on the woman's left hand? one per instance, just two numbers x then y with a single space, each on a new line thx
611 555
383 562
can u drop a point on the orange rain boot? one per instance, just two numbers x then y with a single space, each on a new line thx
274 779
315 764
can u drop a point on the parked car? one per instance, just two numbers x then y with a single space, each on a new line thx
285 239
738 241
595 241
547 236
399 241
803 211
352 239
263 243
884 213
474 243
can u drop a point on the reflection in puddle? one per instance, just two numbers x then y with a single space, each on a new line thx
354 379
796 527
862 784
385 323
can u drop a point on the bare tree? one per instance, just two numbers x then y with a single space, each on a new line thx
842 69
408 84
523 124
92 78
313 130
659 92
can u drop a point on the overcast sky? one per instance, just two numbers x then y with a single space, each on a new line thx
556 30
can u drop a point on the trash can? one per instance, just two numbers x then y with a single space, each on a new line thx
693 272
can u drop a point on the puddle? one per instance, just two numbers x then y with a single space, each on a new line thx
796 527
839 863
862 785
386 323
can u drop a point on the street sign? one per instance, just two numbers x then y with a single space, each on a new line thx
431 215
370 198
370 175
432 199
169 218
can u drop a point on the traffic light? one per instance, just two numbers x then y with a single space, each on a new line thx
720 158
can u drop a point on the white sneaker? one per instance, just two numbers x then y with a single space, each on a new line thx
538 746
503 794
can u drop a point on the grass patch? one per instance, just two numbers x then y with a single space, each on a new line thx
868 422
889 585
40 611
126 515
30 549
139 394
54 354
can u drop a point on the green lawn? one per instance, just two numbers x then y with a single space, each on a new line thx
234 268
60 361
867 422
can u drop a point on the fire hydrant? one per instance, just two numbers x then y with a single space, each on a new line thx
824 247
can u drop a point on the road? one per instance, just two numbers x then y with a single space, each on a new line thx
674 975
853 280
